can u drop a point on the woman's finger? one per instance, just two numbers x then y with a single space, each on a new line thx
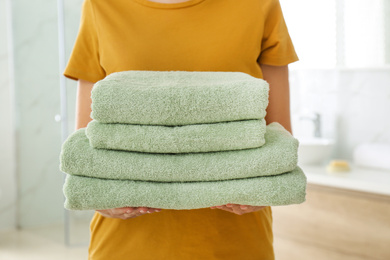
127 212
225 208
240 209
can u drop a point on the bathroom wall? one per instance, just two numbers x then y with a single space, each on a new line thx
354 104
7 151
72 10
364 103
30 181
38 138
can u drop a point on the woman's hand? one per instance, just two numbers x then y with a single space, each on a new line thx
238 209
127 212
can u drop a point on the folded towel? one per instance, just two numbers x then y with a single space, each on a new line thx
227 136
277 155
178 97
84 193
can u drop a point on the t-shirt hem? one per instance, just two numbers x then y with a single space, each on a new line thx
169 5
76 75
278 61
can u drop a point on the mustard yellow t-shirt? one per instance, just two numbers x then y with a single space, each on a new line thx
197 35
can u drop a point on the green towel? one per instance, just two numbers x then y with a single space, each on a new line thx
178 97
277 155
227 136
83 193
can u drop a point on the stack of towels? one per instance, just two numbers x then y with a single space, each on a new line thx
180 140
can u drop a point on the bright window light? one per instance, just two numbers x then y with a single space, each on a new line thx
339 33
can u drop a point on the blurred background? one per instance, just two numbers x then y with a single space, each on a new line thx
340 103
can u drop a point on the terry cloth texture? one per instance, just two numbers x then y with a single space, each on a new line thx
276 156
83 193
178 97
227 136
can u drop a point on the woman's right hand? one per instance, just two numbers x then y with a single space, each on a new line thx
127 212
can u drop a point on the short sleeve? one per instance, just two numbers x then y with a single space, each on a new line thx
84 62
277 48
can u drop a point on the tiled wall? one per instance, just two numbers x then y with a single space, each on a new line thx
7 151
38 140
364 116
354 104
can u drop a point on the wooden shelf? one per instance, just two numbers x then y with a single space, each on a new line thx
333 223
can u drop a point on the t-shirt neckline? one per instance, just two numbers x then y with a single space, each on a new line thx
169 6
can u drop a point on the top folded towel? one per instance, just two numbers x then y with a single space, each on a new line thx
178 97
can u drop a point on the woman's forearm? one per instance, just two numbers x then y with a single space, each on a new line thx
278 109
83 103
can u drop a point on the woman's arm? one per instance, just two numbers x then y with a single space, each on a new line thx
83 103
278 110
83 112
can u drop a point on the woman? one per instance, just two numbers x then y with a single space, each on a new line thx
249 36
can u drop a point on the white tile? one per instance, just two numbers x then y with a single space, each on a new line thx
354 104
37 102
7 155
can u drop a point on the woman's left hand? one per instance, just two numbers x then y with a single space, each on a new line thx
239 209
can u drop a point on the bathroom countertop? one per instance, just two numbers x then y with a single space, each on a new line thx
357 179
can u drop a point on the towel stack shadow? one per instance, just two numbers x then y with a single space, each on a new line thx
180 140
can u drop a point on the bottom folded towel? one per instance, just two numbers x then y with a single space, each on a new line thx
84 193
